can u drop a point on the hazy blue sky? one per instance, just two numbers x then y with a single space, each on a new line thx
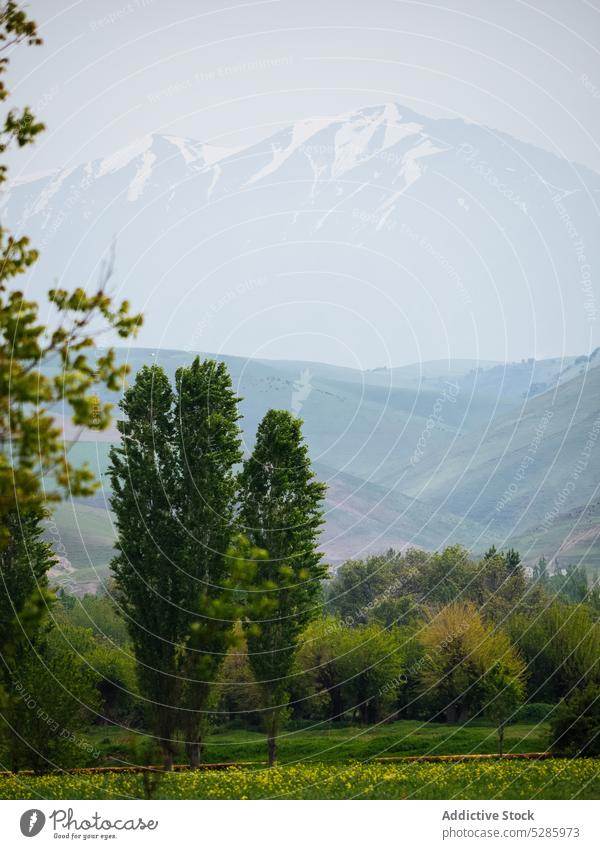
112 70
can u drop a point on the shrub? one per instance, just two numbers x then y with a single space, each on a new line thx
534 712
575 728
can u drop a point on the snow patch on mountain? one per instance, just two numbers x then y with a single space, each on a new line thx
40 203
136 187
411 170
185 148
124 156
356 140
300 133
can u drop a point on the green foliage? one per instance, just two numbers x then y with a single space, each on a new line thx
113 667
469 666
499 586
359 584
571 585
561 645
575 728
534 712
504 689
540 571
238 695
150 585
31 445
281 513
358 669
98 612
208 447
181 572
53 698
369 589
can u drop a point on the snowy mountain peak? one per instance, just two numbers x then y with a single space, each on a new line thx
437 212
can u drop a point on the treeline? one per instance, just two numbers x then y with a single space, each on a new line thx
549 623
447 637
437 637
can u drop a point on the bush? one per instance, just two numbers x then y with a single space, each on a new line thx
534 712
54 699
575 728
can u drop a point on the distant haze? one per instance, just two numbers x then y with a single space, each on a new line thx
365 184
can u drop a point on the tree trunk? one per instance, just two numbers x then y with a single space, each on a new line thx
452 714
193 750
167 760
501 738
337 705
372 711
272 738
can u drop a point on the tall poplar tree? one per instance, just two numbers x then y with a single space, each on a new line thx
151 587
281 512
209 448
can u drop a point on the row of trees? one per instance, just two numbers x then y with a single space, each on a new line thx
202 546
450 664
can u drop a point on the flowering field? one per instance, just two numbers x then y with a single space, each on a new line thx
550 779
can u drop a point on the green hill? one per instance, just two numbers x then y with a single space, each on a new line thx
542 458
572 538
423 455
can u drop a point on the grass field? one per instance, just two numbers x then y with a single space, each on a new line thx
331 744
550 779
333 763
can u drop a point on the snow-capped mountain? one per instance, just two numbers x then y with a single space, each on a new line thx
392 236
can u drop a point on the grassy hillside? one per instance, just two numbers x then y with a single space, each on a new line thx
421 455
511 475
364 518
572 538
84 535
